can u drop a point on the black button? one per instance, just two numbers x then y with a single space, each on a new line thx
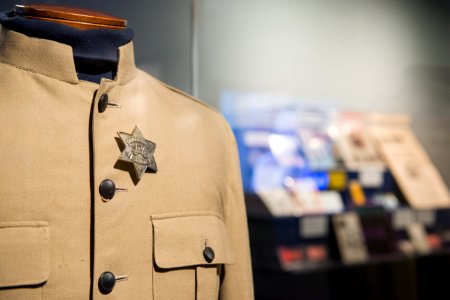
208 254
103 103
107 189
106 282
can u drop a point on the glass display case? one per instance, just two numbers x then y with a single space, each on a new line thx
329 202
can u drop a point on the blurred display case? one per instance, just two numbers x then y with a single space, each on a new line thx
341 204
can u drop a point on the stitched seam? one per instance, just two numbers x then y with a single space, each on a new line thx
25 282
185 214
31 224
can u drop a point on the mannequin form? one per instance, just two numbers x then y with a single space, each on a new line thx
74 17
94 37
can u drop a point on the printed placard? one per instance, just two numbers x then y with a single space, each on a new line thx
309 200
418 237
278 202
354 143
318 147
414 172
350 238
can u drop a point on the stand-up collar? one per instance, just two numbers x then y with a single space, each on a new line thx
54 59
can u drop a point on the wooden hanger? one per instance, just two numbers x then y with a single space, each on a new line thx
74 17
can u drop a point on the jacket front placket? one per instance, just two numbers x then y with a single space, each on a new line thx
113 217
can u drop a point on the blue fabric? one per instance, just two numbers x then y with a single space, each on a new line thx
95 50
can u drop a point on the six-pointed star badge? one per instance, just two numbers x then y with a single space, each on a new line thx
138 151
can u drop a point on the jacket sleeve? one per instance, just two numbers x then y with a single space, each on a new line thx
237 281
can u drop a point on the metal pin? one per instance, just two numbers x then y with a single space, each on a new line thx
113 105
121 189
121 278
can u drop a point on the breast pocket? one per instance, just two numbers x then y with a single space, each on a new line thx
24 259
189 252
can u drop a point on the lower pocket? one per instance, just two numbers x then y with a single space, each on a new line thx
24 259
189 251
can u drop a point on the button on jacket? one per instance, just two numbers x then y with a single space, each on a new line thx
76 223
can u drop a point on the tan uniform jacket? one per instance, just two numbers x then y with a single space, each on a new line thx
58 236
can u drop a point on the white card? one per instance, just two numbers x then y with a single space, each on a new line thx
331 202
313 226
402 218
371 178
278 202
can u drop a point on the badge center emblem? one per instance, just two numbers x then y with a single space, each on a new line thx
138 151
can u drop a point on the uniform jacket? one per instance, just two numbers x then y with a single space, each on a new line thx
58 235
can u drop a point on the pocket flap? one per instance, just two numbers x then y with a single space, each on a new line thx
180 241
24 253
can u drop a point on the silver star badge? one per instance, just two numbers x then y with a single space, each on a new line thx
138 151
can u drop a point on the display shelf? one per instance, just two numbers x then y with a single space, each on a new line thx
387 273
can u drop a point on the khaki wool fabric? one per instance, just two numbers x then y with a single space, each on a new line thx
57 236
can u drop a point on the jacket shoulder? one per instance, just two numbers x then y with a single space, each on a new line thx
178 94
189 97
184 108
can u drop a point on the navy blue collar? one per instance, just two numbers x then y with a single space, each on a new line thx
95 51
